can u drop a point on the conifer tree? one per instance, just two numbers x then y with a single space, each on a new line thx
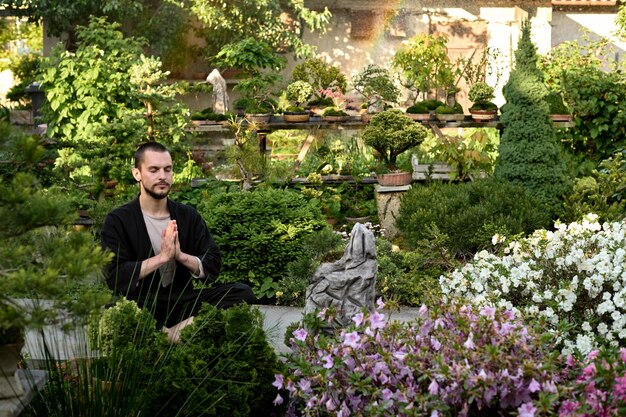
42 258
529 153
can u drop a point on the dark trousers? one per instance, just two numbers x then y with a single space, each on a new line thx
171 308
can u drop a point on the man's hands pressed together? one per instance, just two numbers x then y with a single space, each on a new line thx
170 247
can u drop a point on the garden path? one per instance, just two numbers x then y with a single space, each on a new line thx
64 345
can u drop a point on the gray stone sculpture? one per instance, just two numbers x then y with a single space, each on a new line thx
349 283
220 93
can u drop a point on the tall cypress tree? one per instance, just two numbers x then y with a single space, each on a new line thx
530 154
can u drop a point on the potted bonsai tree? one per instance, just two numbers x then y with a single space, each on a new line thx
391 133
425 67
557 109
447 113
298 92
423 110
336 112
259 67
376 86
483 109
321 76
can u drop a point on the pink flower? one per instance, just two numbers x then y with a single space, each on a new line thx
435 343
534 386
469 343
489 312
377 320
358 319
527 410
590 370
304 385
300 334
278 381
380 304
328 361
423 311
622 354
278 400
352 339
433 388
549 386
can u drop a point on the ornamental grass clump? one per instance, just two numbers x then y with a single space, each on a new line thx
453 360
573 277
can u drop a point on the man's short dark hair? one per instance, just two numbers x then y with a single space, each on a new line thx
148 146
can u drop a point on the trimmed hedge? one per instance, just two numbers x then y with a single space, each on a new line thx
259 233
468 213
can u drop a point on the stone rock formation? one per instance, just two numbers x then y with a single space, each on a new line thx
220 93
349 283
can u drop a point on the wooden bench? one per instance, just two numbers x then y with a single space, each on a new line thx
434 171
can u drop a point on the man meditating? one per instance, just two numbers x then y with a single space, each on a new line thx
160 247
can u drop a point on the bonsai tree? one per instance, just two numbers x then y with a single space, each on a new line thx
425 106
481 94
556 104
391 133
425 65
376 86
298 92
445 109
259 65
322 76
529 152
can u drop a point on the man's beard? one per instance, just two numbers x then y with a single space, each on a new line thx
155 195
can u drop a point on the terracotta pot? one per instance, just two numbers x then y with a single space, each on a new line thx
10 384
335 118
484 115
367 117
263 118
420 117
561 117
296 117
392 179
450 117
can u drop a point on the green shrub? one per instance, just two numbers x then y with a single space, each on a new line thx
469 214
433 104
321 247
555 104
419 108
408 278
530 154
602 193
334 111
260 233
224 366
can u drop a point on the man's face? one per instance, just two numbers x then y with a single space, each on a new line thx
155 174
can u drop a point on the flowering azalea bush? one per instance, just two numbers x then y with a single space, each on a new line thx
453 360
597 385
574 277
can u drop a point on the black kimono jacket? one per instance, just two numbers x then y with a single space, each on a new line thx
125 234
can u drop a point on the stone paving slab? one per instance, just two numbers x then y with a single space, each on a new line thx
64 345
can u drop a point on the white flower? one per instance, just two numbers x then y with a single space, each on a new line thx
584 344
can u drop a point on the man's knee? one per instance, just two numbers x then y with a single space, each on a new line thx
245 293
